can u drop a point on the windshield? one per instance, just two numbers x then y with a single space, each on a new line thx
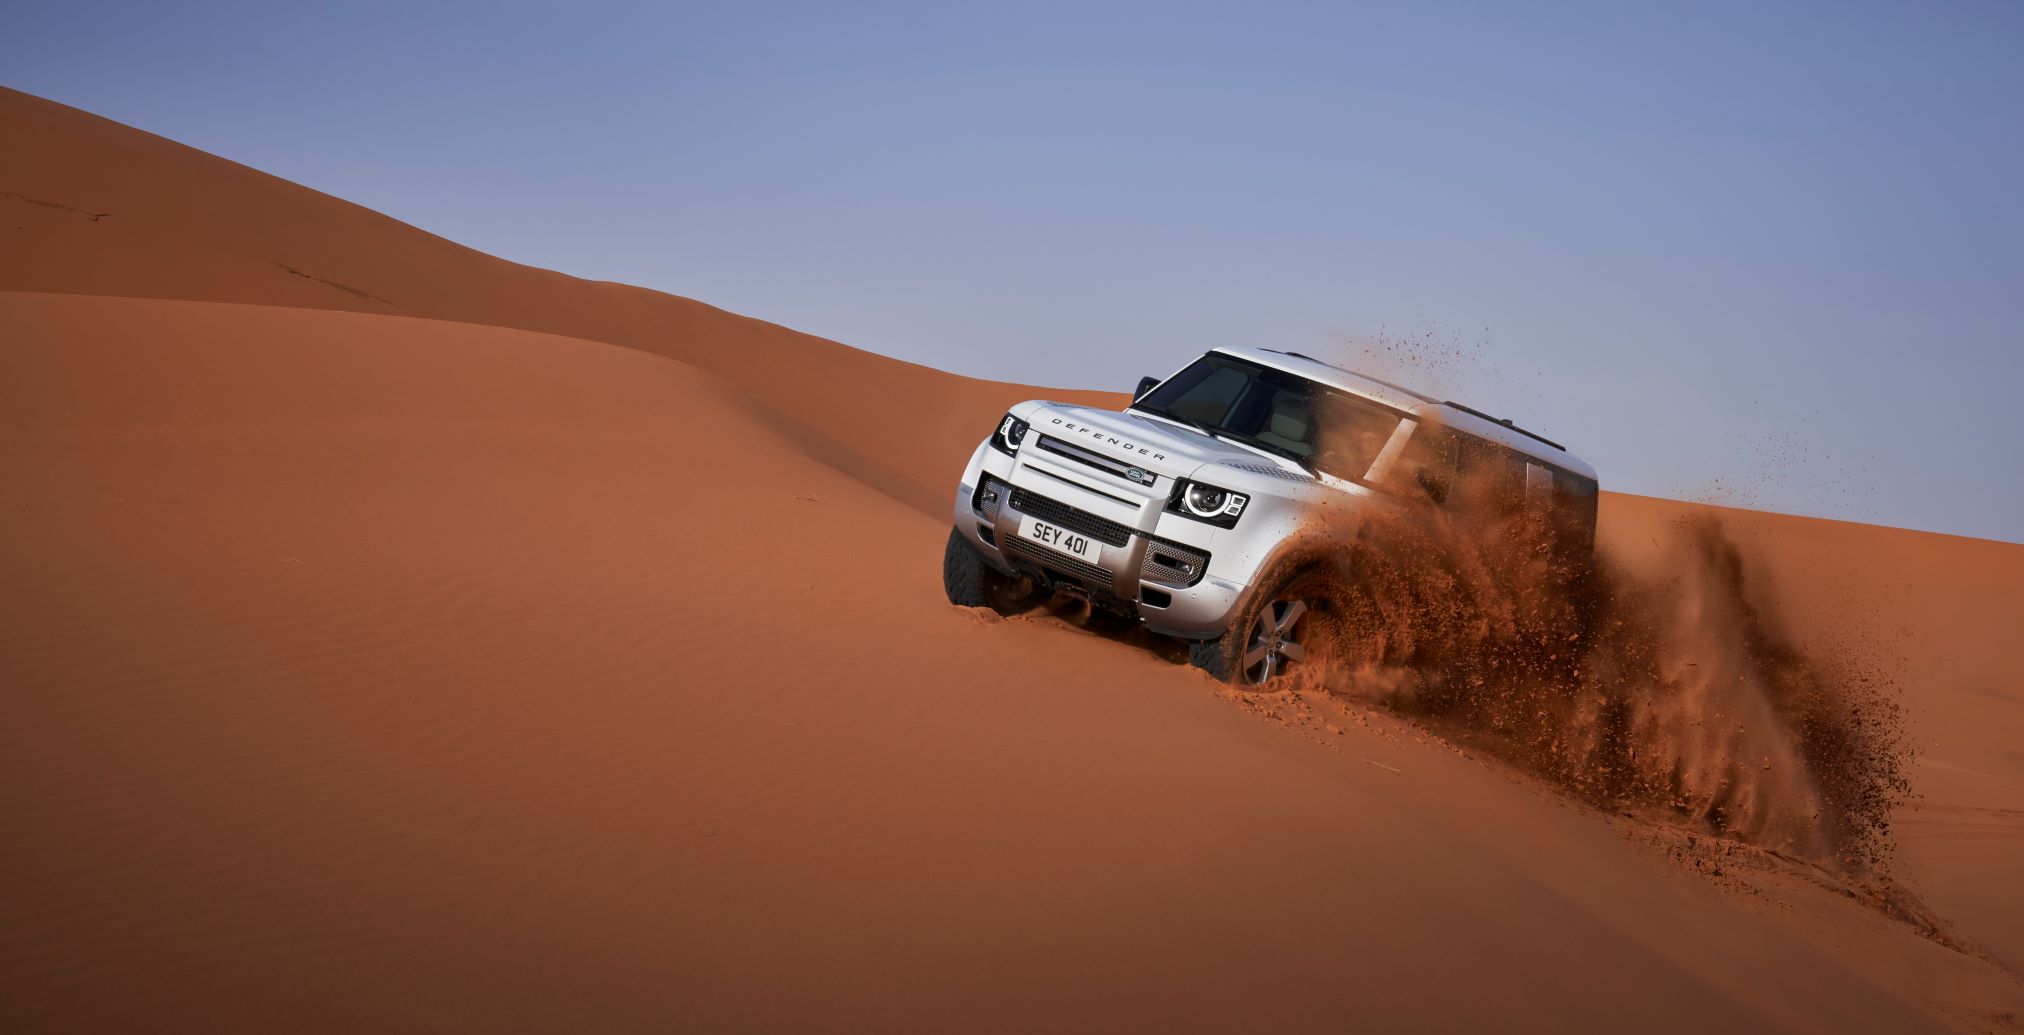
1319 427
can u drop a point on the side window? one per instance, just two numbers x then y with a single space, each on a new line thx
1538 485
1351 434
1425 470
1574 506
1283 416
1492 478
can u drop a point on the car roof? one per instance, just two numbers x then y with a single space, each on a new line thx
1421 407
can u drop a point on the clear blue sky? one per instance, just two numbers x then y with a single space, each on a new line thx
1771 254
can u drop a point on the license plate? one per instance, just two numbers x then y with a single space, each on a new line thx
1061 540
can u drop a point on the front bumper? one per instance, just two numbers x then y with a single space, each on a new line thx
1162 580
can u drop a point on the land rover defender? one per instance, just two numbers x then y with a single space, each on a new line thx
1181 512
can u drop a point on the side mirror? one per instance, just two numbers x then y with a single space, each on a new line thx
1146 384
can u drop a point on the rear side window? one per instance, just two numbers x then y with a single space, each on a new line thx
1538 484
1492 477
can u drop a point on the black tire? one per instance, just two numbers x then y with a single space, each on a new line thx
971 582
1235 657
1212 656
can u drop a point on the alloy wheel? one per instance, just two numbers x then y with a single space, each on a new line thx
1274 642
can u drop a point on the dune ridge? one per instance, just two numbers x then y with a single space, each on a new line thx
101 209
375 663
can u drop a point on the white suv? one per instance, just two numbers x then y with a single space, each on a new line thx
1183 511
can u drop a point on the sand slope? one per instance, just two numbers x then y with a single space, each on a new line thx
405 668
374 671
94 207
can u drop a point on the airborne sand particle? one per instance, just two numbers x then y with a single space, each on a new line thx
1670 690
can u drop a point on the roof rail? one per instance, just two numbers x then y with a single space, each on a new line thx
1506 422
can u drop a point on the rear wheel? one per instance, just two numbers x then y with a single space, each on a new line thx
971 582
1269 637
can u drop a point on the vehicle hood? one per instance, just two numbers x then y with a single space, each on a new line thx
1146 442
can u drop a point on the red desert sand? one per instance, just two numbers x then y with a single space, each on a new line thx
397 637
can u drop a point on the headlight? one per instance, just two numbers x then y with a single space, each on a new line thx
1006 438
1205 502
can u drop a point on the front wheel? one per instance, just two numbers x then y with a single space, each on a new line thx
1271 636
971 582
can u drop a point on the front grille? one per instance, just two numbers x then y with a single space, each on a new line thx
1101 529
1060 562
1109 465
1170 562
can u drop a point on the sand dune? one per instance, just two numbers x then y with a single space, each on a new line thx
102 209
505 650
